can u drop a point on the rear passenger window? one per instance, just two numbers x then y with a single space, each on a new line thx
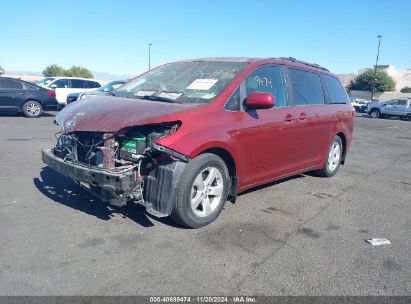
10 84
268 79
335 90
78 84
307 87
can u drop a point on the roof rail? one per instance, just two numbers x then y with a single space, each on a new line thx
315 65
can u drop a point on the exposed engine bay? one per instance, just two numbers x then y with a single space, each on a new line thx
121 167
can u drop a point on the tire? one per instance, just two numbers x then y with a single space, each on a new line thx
333 158
374 113
199 201
32 109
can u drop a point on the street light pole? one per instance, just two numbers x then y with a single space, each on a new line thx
149 55
375 67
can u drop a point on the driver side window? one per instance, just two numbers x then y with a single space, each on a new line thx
268 79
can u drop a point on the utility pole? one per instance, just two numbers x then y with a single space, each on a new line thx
149 55
375 67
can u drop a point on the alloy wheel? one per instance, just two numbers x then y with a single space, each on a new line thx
334 157
33 109
207 191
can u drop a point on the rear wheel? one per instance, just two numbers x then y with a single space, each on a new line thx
202 191
374 113
334 157
32 109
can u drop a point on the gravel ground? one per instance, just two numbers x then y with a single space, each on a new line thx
300 236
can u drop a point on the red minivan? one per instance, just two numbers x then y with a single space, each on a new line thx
183 138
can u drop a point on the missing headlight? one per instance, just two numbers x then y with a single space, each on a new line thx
133 142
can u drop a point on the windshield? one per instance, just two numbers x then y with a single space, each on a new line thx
45 81
185 82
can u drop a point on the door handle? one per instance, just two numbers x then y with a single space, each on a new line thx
302 117
20 93
288 118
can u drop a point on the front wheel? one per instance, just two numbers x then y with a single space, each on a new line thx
374 113
334 157
32 109
202 191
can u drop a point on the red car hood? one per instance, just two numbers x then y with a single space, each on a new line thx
111 114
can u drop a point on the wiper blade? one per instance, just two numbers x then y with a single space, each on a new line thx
158 98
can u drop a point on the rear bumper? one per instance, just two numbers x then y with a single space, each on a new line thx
111 181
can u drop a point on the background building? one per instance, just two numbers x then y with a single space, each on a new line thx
402 78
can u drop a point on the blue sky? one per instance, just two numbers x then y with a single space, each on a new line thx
112 36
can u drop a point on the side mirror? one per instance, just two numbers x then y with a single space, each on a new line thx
106 90
259 100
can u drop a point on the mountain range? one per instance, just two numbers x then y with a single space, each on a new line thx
97 75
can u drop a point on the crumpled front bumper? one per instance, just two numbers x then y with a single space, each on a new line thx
111 181
159 185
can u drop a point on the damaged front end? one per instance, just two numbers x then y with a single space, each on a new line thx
124 166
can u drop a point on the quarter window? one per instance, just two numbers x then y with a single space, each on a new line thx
92 84
234 103
335 90
30 86
307 87
268 79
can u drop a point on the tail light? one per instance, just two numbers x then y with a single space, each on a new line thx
51 93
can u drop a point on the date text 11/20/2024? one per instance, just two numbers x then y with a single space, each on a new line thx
175 299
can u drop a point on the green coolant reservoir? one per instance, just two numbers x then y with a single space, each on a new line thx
132 147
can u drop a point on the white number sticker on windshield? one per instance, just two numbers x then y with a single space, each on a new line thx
144 93
169 95
202 84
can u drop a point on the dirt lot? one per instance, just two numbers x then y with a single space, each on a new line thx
301 236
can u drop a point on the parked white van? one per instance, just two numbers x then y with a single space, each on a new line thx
65 85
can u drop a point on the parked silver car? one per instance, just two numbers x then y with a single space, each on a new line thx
395 107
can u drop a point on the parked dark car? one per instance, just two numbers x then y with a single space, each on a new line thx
104 90
25 97
191 133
